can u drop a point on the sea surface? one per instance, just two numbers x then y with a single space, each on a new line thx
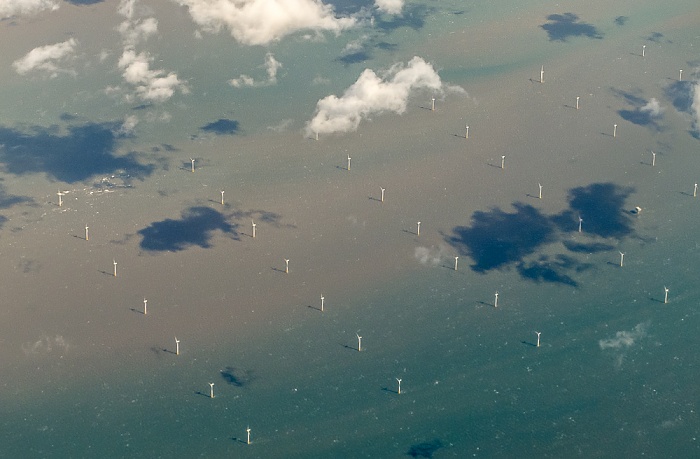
542 339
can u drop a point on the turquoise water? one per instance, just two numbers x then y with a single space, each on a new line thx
86 374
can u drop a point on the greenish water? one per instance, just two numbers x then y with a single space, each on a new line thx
87 375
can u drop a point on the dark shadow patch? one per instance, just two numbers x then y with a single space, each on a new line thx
261 216
593 247
425 449
602 207
562 26
621 20
631 97
8 200
413 16
194 228
67 117
354 58
655 37
236 376
646 113
635 117
83 2
385 46
363 51
74 156
547 270
348 7
641 117
680 94
497 238
222 127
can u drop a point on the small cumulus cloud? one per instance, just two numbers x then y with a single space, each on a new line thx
45 345
150 85
373 93
652 108
624 339
49 59
430 256
13 8
128 126
389 6
133 32
259 22
356 45
281 126
272 66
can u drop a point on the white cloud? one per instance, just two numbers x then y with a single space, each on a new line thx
127 8
624 339
272 66
259 22
151 85
133 32
318 80
374 94
10 8
653 108
47 58
355 46
128 126
389 6
281 126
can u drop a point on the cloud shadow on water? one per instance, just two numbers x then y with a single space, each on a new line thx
562 26
348 7
84 2
76 155
354 58
645 113
425 449
222 126
8 200
601 206
413 16
594 247
195 228
640 118
547 269
680 94
501 240
236 376
655 37
497 238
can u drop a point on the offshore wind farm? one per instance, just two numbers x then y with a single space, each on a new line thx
318 310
